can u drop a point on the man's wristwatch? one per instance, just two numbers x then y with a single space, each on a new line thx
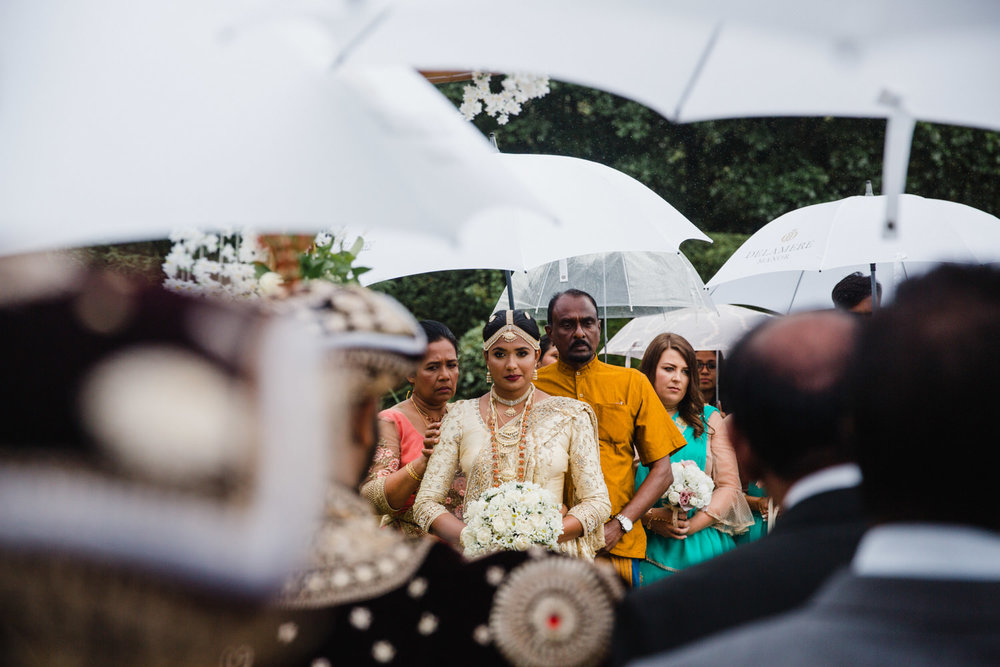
625 522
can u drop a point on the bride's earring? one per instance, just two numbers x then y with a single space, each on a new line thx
489 378
534 375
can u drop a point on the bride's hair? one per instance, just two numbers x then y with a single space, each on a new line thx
691 406
521 320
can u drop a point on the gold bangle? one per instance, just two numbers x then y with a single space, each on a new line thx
409 471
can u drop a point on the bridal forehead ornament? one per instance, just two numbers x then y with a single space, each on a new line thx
510 331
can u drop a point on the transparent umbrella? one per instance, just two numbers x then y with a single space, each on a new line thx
624 284
705 328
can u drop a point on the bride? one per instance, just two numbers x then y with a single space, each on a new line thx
516 432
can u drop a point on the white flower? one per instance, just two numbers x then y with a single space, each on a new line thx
470 109
270 283
483 536
250 251
227 253
323 239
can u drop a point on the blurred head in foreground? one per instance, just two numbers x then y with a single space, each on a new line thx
787 384
370 344
162 458
941 334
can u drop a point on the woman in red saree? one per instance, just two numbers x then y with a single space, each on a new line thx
408 432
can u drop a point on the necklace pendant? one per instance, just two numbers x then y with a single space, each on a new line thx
510 412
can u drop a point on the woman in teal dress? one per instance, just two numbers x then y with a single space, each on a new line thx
757 499
678 540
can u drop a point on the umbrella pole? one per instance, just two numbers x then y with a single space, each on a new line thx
875 303
718 376
605 333
510 287
604 274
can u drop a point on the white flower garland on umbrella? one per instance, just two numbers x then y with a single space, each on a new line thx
219 265
232 265
477 97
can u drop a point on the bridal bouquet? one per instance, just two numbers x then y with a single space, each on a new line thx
692 487
511 517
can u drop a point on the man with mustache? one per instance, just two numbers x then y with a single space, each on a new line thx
630 418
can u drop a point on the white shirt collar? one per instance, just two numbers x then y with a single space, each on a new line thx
840 476
929 551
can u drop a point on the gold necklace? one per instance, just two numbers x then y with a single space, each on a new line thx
424 415
510 411
504 436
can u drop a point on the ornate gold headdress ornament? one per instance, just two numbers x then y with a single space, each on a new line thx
509 331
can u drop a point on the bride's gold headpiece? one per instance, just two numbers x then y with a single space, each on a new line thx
509 331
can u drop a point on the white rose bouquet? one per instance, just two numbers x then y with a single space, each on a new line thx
692 487
512 517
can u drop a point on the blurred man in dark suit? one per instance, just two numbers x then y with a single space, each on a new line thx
924 586
787 380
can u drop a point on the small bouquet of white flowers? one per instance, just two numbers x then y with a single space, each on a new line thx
692 487
512 517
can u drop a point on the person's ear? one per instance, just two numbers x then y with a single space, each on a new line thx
364 425
548 330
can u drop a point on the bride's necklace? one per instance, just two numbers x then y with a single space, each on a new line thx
512 433
510 411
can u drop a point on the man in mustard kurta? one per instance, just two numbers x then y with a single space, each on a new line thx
629 415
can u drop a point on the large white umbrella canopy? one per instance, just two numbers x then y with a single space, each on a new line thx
897 59
121 121
716 328
624 284
599 209
728 58
793 260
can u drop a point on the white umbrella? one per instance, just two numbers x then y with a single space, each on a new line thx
120 121
728 58
806 251
624 284
898 59
599 209
706 329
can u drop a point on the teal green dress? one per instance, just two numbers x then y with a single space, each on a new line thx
665 555
759 527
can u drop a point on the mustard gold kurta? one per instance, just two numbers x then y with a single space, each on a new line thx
628 413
